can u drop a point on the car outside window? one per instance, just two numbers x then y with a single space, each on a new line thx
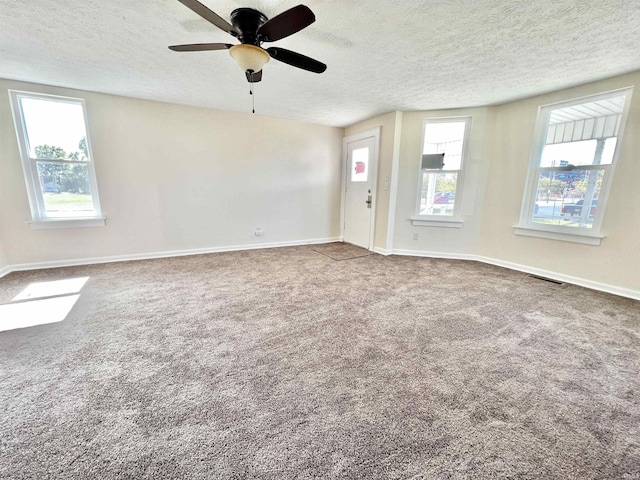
441 168
572 163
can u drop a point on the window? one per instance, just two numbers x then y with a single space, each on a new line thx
571 167
360 165
441 171
56 159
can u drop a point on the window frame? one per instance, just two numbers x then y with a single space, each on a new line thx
593 235
454 220
40 219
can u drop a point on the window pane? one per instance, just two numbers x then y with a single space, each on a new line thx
445 138
438 193
360 164
564 154
580 139
590 152
55 129
583 134
65 188
609 150
562 196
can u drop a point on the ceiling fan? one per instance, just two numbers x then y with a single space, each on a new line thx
253 28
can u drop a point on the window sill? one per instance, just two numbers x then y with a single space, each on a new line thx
444 223
584 238
67 223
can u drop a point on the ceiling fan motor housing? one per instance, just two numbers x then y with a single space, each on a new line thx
251 27
246 22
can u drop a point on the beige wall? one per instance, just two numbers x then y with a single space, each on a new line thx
3 256
440 239
617 260
389 131
177 178
498 157
173 177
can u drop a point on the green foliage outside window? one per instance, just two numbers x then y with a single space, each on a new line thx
62 177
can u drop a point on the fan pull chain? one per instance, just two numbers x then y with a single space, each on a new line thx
253 97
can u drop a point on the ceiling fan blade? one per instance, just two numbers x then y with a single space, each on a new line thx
296 59
209 15
200 47
287 23
254 77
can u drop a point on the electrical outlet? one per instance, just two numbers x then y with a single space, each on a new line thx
416 236
259 232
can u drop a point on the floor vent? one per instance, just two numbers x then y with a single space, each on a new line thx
545 279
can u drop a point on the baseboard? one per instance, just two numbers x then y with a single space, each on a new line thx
582 282
5 270
147 256
421 253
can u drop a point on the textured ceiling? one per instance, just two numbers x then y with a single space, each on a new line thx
382 55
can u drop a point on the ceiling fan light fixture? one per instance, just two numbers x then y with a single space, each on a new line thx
252 28
249 57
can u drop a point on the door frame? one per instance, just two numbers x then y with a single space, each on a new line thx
373 172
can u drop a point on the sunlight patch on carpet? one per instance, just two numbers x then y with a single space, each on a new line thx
51 289
36 312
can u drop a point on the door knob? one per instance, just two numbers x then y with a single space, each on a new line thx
368 202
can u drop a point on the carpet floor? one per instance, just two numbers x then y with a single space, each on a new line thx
285 363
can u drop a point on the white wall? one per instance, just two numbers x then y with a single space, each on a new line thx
389 135
173 177
3 257
177 178
617 259
499 150
441 239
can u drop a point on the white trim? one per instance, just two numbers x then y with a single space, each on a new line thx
421 222
373 177
578 237
592 96
461 172
534 169
67 223
582 282
393 187
148 256
422 253
29 164
374 186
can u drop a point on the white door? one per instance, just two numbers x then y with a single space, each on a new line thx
359 192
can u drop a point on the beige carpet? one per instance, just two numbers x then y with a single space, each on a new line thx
283 363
